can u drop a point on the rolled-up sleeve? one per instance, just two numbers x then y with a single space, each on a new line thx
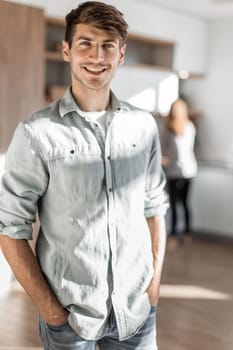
24 180
156 199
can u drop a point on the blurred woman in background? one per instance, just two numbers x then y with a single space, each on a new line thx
180 166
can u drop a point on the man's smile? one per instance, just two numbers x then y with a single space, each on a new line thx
95 70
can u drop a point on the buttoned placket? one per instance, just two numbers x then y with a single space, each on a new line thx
105 144
112 223
110 195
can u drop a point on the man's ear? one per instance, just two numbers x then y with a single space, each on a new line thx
122 54
65 51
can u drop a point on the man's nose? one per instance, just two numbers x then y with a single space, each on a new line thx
97 53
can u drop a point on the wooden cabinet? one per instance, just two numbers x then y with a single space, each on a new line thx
141 51
57 72
149 52
21 65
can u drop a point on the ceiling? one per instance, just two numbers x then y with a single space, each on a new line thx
201 8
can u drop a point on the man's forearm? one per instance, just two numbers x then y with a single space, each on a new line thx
27 271
158 240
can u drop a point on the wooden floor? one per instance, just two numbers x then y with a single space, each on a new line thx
195 310
196 306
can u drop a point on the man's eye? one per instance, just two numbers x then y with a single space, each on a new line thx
84 43
108 46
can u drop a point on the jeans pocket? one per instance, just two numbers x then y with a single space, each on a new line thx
58 328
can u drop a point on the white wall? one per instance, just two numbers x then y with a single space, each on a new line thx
146 88
188 32
213 96
212 201
213 191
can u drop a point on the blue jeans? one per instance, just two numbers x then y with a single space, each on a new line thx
64 338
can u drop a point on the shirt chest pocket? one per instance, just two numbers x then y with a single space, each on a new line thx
78 176
130 160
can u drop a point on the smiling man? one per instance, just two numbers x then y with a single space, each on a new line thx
90 165
106 53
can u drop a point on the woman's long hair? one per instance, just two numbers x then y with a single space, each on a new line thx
178 117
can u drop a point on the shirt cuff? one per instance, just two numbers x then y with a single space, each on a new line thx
155 212
17 232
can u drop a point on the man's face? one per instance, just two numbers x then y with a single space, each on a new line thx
94 57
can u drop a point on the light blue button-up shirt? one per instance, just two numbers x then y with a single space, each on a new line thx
93 195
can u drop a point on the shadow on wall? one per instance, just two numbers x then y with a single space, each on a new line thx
212 200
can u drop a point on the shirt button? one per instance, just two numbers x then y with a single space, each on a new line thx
71 220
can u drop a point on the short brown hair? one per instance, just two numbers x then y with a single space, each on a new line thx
98 14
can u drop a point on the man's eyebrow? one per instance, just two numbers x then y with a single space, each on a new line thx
110 40
83 37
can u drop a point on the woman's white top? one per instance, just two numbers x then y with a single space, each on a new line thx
179 150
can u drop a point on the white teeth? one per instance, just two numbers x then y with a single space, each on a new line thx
95 70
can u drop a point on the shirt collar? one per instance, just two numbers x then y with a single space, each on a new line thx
67 104
115 103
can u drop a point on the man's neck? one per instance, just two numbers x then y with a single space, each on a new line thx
91 100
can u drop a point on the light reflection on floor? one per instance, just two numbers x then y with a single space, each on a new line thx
191 292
